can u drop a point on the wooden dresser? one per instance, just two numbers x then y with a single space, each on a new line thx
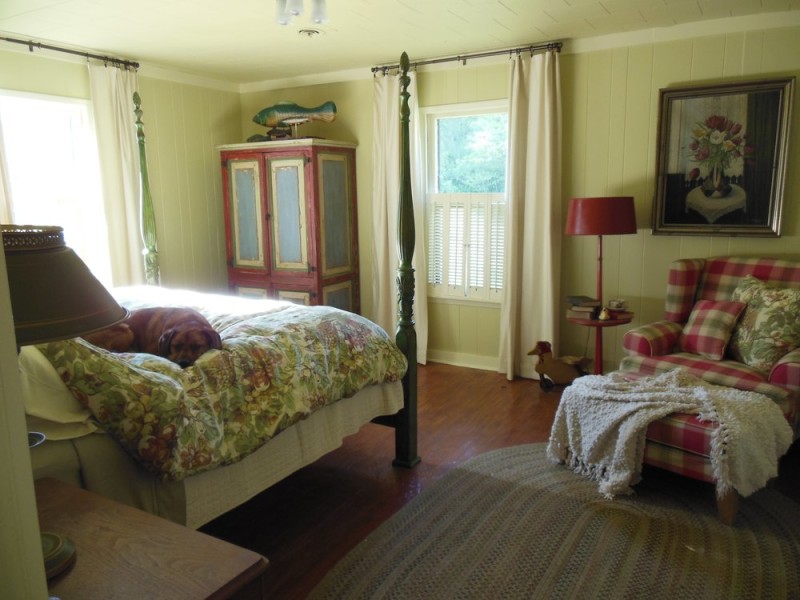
291 221
123 552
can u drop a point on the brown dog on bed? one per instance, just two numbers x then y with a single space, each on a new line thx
180 334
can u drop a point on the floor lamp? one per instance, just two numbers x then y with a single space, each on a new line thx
608 215
54 296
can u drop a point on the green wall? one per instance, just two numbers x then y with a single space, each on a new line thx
610 120
610 102
183 125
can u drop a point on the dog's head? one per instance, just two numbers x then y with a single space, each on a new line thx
186 342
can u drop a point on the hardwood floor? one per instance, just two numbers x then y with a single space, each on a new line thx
310 520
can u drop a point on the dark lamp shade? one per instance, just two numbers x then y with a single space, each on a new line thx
601 216
54 295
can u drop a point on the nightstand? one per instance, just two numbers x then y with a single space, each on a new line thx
123 552
598 326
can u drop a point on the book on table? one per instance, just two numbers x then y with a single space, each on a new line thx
584 309
582 301
572 313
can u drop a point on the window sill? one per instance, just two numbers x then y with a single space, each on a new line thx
464 302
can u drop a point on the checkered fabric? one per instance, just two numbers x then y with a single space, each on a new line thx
684 277
654 339
722 275
681 443
709 327
719 372
786 372
692 279
678 461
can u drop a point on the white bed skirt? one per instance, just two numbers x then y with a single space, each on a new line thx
212 493
97 463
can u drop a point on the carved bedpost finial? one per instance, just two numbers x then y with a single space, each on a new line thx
148 218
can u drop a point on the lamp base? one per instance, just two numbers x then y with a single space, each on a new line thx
59 553
58 550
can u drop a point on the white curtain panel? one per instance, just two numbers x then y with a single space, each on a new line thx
112 103
533 217
5 200
386 200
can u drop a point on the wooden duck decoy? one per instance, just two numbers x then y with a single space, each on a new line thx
557 371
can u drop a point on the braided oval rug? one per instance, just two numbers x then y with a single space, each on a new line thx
511 524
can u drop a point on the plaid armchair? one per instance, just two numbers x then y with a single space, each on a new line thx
730 321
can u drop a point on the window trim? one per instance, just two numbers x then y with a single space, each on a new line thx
430 113
442 291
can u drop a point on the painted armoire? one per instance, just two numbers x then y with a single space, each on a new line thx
291 221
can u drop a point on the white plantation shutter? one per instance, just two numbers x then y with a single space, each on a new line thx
465 200
477 246
456 235
465 245
436 244
496 246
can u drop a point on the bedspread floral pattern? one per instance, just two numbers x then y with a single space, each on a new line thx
274 369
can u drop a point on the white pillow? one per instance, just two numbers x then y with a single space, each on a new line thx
50 406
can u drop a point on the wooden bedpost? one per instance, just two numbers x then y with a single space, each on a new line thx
148 218
406 337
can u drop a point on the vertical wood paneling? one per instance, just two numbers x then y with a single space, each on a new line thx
753 56
610 106
183 125
637 265
598 124
708 58
734 51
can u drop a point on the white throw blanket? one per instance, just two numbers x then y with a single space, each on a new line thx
600 427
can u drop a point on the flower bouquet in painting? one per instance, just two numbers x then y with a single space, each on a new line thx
717 144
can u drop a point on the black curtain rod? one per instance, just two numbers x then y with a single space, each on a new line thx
117 62
463 58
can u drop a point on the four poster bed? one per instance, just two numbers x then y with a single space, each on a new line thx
190 444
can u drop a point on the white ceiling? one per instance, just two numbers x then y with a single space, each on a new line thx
238 41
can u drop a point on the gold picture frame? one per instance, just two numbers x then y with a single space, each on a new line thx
721 158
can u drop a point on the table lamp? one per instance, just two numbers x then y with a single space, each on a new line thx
54 296
612 215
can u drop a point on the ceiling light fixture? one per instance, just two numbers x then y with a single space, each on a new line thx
309 32
286 10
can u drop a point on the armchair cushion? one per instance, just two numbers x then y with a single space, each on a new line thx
786 371
654 339
684 277
769 328
709 327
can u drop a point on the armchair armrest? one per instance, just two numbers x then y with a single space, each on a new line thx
654 339
786 372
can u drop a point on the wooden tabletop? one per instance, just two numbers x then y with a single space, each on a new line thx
599 323
123 552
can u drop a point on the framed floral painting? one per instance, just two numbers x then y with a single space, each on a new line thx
721 159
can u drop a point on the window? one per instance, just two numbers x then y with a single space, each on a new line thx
53 172
465 200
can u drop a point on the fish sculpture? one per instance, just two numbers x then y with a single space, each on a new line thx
289 113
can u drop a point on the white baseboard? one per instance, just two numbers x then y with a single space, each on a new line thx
475 361
460 359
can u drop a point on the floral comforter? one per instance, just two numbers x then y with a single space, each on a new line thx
278 365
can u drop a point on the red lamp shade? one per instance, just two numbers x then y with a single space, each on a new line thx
601 216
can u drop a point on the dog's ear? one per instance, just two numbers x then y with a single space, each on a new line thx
165 341
213 338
